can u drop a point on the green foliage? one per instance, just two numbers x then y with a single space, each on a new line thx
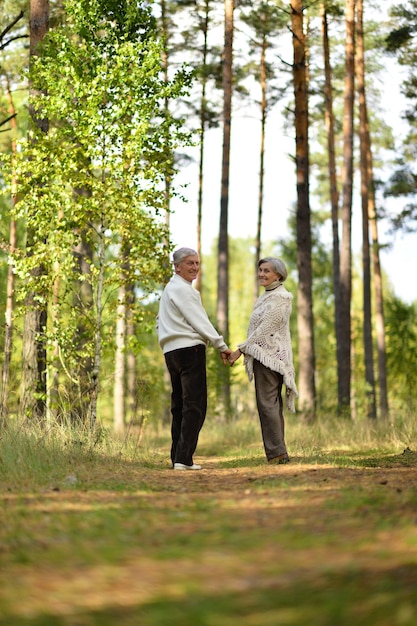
401 42
401 333
97 175
266 22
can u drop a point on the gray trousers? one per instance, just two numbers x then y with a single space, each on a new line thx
268 386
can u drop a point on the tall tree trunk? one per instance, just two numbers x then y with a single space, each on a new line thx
8 331
365 186
344 368
53 373
379 299
131 357
203 124
334 193
119 391
165 67
33 390
95 381
223 246
305 298
263 83
80 390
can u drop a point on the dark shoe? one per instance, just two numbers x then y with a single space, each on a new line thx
283 459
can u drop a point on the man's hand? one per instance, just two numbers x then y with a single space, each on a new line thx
234 356
225 356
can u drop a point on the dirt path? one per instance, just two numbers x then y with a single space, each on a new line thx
148 536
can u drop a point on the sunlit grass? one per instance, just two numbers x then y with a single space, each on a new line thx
31 455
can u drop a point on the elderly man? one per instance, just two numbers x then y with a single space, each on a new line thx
184 330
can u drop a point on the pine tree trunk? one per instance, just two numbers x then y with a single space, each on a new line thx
223 246
306 383
365 186
203 124
223 251
379 298
258 242
344 348
334 193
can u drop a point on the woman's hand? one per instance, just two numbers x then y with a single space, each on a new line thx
234 356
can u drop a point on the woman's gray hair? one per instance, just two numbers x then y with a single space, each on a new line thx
277 265
181 253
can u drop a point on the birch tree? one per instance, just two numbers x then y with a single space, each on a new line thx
33 388
101 74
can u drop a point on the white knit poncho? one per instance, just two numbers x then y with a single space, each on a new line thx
269 339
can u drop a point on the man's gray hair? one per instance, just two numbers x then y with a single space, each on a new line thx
278 266
181 253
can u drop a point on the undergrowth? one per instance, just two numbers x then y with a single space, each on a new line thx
32 455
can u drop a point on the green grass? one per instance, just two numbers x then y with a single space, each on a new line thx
97 530
31 456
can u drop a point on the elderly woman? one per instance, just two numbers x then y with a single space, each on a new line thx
268 356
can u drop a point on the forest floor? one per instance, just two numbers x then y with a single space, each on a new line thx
259 545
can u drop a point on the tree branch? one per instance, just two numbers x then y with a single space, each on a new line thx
6 43
10 26
7 120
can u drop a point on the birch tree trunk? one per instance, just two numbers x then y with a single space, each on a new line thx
80 388
33 388
165 67
120 364
95 378
8 330
131 357
53 372
120 370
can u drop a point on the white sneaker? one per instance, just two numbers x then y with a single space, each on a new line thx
181 466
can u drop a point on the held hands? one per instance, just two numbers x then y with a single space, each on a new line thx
225 356
229 357
234 356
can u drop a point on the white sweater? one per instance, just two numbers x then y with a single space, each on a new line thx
182 321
